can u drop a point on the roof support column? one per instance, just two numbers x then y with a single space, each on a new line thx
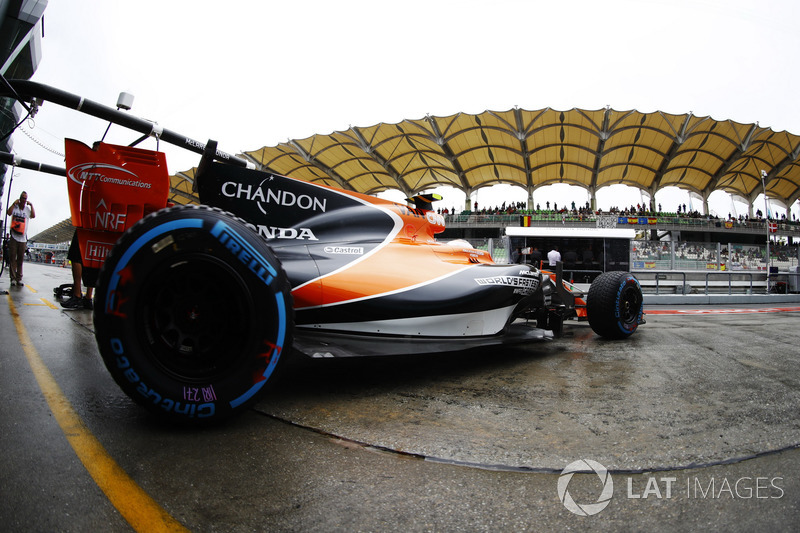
751 201
652 192
592 198
467 200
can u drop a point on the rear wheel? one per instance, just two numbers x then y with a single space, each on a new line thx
193 314
615 305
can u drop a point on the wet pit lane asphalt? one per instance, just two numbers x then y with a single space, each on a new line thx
695 416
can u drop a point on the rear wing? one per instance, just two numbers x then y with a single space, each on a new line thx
110 189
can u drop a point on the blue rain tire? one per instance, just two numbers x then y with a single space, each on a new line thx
615 305
193 314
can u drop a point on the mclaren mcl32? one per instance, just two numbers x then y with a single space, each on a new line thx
198 307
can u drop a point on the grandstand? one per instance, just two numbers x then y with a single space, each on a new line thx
719 257
589 149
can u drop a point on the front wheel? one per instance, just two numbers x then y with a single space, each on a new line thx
615 305
193 314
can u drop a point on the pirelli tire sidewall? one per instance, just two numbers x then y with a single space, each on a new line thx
193 314
614 305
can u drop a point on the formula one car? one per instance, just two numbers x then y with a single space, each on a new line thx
198 307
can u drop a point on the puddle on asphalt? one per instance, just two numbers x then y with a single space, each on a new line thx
660 399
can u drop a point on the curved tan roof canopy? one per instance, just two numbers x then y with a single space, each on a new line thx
591 149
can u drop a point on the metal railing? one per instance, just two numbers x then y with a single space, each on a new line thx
730 279
663 276
661 221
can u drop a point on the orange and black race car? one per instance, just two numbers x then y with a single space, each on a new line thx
197 307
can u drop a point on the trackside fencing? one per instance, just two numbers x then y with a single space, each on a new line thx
670 267
683 256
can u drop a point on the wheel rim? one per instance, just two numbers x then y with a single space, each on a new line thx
197 315
630 303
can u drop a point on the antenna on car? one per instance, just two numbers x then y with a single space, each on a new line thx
124 101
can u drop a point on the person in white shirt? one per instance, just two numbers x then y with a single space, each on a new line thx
21 211
553 256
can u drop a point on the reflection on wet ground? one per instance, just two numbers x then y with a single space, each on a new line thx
670 396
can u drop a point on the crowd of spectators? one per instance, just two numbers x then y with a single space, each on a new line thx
584 212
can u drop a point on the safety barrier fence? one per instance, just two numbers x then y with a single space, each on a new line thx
730 280
687 255
674 282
